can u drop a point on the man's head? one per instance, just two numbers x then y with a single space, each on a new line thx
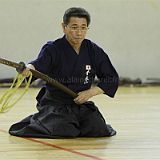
76 12
75 25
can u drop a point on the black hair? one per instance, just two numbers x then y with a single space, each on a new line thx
76 12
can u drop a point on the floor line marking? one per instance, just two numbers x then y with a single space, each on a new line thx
58 147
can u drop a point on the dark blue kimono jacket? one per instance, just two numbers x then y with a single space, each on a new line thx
59 60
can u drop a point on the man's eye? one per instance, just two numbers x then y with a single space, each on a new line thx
84 28
74 28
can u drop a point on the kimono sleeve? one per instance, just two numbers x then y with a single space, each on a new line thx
45 60
106 73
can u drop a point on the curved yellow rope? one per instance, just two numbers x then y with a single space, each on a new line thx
5 100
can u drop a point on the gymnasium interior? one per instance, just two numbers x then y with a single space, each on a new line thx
129 33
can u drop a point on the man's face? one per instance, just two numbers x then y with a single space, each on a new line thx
75 30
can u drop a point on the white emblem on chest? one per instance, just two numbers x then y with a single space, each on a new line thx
88 68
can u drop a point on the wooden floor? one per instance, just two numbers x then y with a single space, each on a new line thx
134 113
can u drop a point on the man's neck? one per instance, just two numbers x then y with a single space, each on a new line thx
76 47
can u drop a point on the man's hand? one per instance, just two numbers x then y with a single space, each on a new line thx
26 72
84 96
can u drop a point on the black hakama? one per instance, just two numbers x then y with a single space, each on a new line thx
60 118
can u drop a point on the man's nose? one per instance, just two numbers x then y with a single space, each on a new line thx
79 31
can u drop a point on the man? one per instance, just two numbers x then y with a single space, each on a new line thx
73 61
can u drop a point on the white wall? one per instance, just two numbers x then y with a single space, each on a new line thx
129 30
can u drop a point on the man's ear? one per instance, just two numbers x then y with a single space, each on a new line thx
63 26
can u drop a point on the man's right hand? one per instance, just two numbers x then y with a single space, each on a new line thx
26 72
